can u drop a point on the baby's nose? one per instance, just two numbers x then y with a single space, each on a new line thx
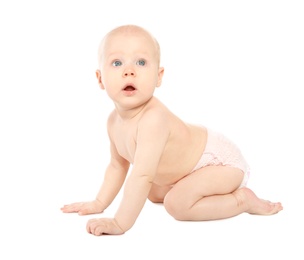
129 72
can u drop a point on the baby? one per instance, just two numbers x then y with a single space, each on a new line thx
198 174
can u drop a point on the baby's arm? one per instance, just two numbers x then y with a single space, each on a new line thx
152 135
114 177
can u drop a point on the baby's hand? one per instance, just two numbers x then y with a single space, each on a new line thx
103 226
83 208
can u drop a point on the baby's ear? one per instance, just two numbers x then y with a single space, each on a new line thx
98 76
160 76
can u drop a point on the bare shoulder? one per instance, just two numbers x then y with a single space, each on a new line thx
155 115
112 117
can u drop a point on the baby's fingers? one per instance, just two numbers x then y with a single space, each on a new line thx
103 226
72 208
97 227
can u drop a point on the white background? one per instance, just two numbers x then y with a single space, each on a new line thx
234 66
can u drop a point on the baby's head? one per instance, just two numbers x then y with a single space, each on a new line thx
128 60
126 31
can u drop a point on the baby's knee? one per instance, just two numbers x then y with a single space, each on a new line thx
173 206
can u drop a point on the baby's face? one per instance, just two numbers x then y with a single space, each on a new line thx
130 66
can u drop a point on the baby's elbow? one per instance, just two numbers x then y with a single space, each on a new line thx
147 177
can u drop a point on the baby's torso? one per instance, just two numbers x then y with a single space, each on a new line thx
181 153
184 149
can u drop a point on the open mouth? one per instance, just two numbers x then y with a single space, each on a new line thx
129 88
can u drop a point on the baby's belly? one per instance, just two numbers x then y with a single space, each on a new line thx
167 179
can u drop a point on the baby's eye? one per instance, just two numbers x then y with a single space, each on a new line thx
117 63
141 62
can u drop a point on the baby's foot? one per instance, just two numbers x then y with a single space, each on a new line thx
256 205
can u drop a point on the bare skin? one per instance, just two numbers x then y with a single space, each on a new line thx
161 147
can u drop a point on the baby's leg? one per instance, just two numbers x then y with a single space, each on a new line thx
212 193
